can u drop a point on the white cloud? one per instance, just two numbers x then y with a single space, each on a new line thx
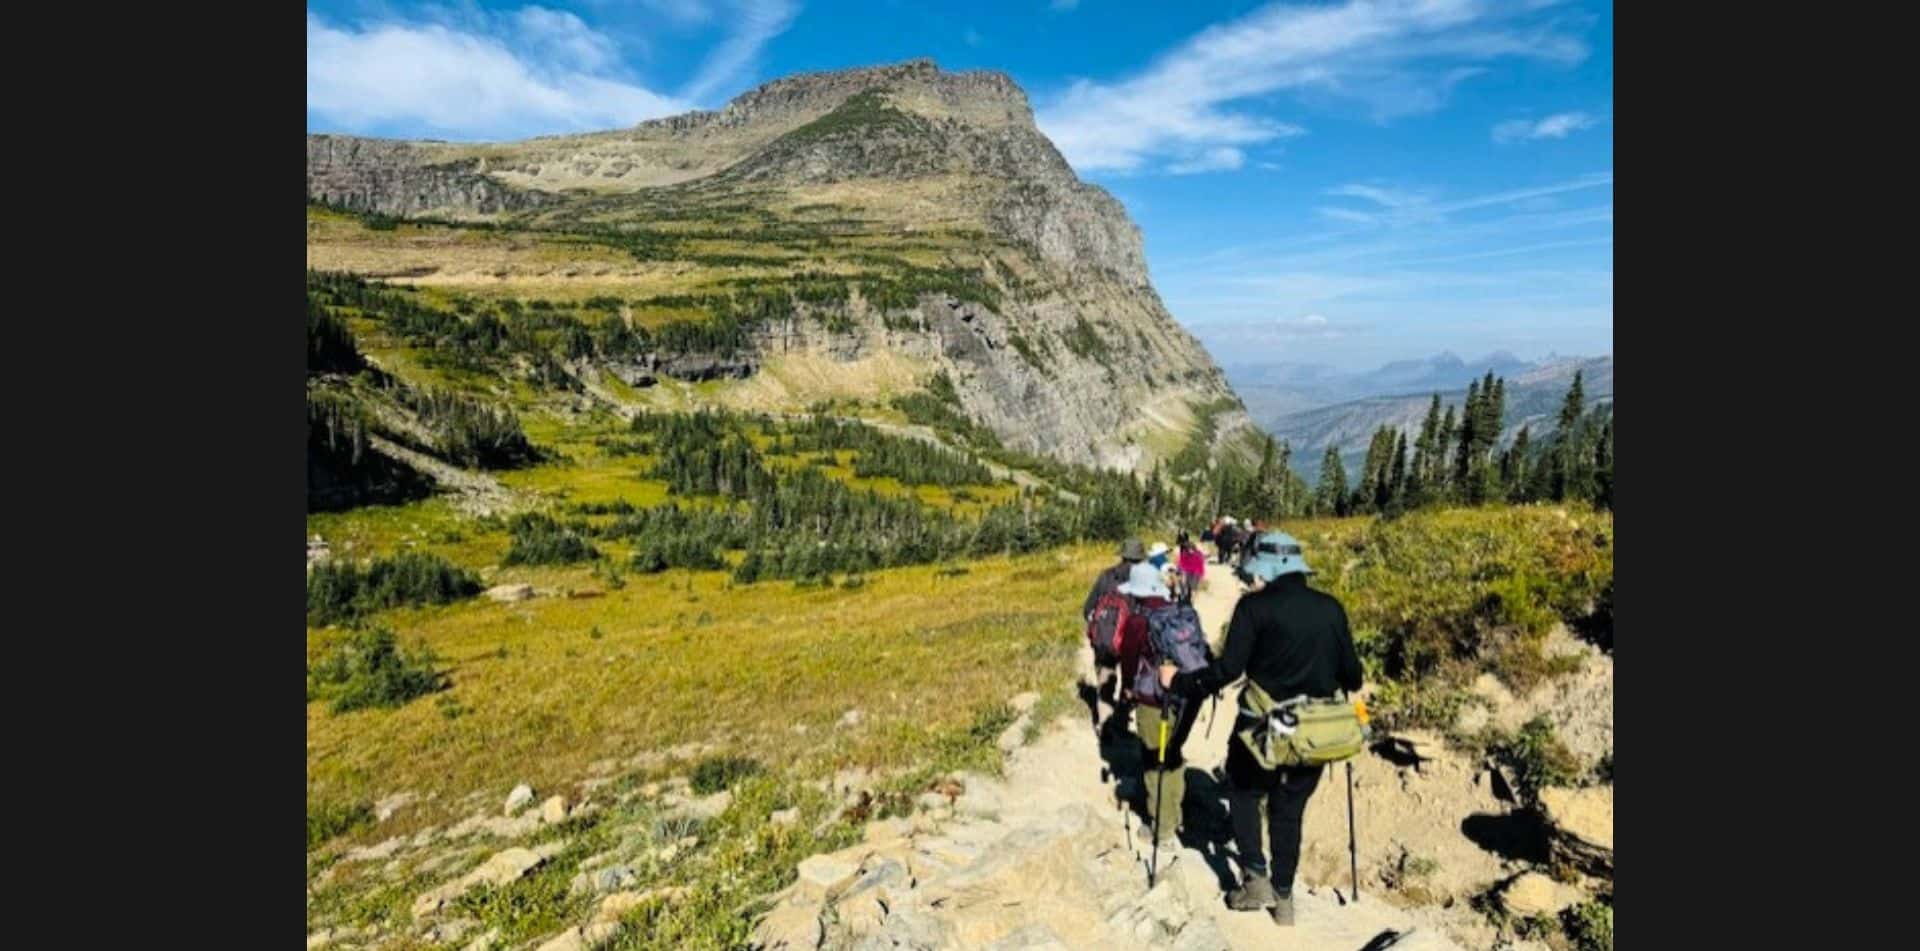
534 71
1390 55
755 23
1401 208
1557 126
564 38
1384 197
1223 159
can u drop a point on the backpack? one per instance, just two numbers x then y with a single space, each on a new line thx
1174 636
1109 621
1301 731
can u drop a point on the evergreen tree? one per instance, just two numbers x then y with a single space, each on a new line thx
1570 469
1437 485
1470 415
1602 475
1418 474
1372 473
1331 497
1513 468
1397 490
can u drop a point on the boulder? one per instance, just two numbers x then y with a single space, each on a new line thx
520 798
888 830
822 876
375 852
784 817
503 868
790 926
1582 824
1534 894
509 593
385 808
1015 734
554 810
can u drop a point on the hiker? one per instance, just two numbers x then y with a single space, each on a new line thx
1099 663
1223 540
1176 582
1247 546
1193 564
1157 555
1291 641
1140 660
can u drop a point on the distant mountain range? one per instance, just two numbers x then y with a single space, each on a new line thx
1272 390
1312 407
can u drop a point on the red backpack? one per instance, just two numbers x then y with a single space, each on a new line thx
1109 622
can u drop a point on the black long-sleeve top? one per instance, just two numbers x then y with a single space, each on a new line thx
1286 637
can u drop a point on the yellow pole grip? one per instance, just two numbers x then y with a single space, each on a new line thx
1163 738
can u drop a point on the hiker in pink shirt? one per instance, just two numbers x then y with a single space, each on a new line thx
1193 565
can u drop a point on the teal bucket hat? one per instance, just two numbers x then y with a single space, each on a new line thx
1276 554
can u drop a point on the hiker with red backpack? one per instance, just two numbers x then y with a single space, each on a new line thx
1105 612
1161 631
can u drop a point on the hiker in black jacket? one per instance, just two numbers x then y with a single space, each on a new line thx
1132 552
1100 676
1290 640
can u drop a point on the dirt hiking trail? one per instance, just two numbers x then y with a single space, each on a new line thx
1048 857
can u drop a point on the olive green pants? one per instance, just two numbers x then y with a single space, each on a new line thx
1165 793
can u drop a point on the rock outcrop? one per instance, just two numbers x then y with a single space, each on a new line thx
1582 827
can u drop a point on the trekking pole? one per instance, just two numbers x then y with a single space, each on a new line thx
1353 846
1159 804
1213 709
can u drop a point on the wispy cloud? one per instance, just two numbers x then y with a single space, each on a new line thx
1401 207
1257 333
972 36
484 76
1223 159
1064 5
1557 126
756 22
1396 56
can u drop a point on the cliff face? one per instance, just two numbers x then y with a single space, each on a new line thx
1069 352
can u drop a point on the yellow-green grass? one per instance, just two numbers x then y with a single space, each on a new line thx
426 525
566 267
689 656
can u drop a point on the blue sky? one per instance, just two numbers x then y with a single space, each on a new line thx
1333 182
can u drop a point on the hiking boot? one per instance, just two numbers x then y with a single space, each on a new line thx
1256 894
1282 911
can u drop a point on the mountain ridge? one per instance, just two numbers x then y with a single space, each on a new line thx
1026 285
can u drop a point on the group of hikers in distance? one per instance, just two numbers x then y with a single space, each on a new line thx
1148 659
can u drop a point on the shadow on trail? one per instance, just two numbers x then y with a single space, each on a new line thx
1207 826
1518 835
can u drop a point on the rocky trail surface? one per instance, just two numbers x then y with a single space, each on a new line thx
1049 856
